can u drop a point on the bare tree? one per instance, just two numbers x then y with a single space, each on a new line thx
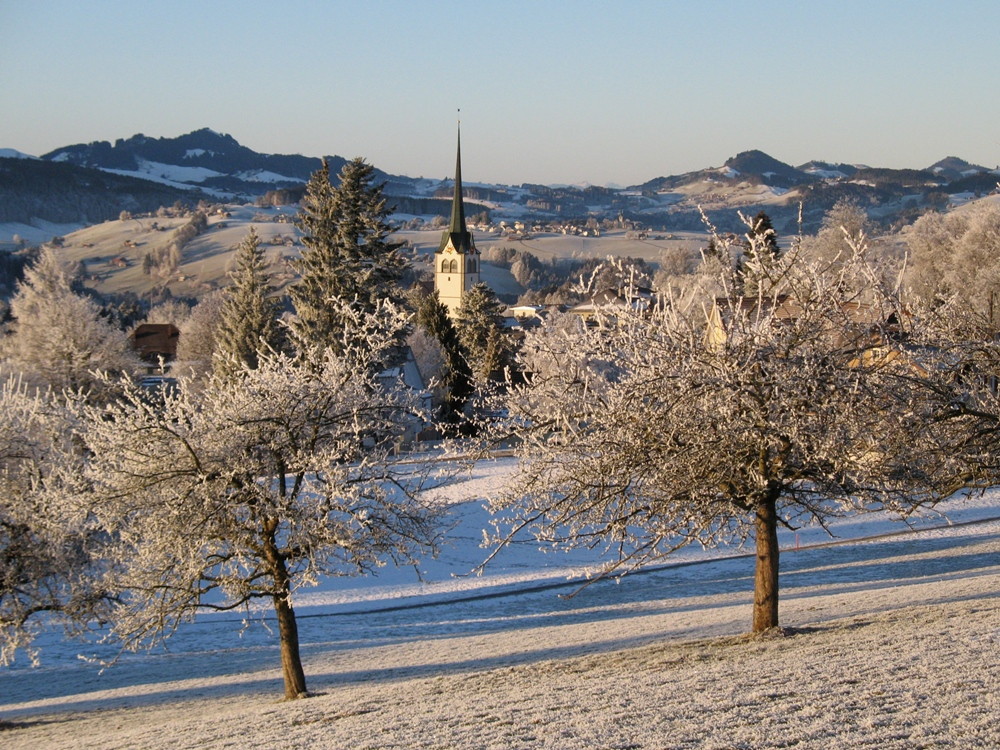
46 539
658 429
197 343
255 486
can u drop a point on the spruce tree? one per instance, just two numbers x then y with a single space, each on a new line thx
757 267
249 322
347 254
762 239
60 338
711 250
480 329
432 316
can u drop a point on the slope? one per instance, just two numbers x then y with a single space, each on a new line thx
891 645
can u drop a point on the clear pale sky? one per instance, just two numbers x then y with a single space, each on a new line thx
550 92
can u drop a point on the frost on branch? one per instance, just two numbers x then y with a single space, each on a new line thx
59 338
256 486
660 427
46 539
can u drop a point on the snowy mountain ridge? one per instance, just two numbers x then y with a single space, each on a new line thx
216 166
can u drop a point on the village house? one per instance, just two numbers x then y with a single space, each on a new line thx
156 344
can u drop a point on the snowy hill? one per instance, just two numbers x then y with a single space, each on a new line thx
215 165
206 159
10 153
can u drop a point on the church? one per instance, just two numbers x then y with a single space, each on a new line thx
456 262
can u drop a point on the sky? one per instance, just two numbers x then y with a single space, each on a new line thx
549 91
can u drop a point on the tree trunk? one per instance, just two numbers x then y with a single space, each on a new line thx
288 629
288 633
765 590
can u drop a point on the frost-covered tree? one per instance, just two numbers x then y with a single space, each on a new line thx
657 430
197 342
957 256
47 545
248 323
762 238
60 339
481 330
347 254
758 269
844 227
169 311
254 486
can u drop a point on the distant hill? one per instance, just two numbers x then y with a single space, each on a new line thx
768 170
208 164
65 193
827 171
952 168
212 161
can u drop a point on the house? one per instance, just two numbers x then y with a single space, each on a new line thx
407 374
156 343
871 332
606 300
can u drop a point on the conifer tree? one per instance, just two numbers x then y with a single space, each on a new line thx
480 329
347 253
711 250
432 316
249 323
60 338
762 230
758 266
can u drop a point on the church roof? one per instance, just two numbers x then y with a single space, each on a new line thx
457 232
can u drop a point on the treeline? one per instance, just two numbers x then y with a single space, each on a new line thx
558 282
166 259
65 193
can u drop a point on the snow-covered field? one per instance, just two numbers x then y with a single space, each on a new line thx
893 645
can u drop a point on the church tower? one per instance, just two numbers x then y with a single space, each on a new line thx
456 262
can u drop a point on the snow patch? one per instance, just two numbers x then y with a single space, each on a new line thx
37 232
11 153
826 174
262 175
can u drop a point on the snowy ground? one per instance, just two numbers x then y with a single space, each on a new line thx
894 646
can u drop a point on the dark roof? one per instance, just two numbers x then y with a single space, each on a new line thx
457 232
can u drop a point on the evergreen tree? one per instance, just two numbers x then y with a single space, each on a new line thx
762 239
758 266
248 324
480 329
60 338
711 250
347 254
432 316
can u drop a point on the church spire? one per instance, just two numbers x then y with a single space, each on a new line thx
457 206
457 233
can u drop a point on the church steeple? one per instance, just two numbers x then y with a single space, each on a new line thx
457 233
456 262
